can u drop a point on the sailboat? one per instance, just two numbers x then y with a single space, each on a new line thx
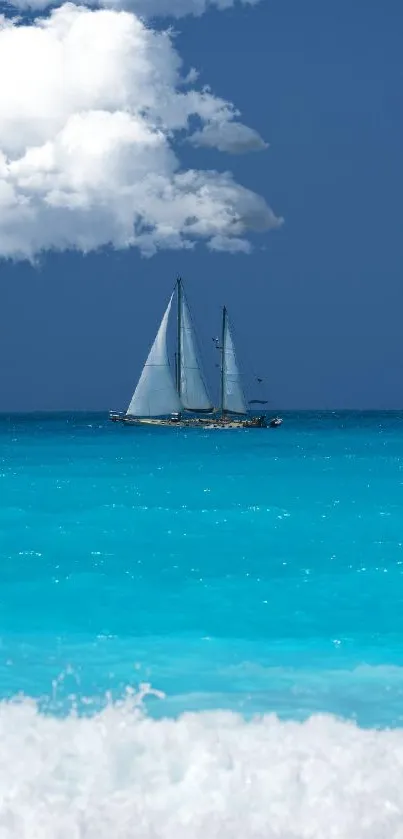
182 399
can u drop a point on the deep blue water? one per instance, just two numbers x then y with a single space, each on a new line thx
256 571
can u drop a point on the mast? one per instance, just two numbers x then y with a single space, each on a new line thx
223 331
179 336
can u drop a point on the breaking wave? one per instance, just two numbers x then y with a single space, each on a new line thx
120 774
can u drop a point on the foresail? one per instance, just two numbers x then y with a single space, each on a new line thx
193 392
233 397
155 394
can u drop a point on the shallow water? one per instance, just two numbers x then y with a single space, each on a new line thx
255 572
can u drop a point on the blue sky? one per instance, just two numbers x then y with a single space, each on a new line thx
317 305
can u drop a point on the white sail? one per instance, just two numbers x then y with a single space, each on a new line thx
233 397
193 392
155 394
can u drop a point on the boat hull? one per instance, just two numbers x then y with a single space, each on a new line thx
208 423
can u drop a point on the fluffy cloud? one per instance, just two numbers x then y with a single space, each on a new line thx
231 137
91 103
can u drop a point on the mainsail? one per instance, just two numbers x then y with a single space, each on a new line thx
232 397
192 389
155 394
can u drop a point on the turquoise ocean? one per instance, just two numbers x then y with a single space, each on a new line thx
201 632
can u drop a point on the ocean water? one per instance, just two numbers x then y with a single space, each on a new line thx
201 632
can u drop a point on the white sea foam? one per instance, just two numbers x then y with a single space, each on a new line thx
122 775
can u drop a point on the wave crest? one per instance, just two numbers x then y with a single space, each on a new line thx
124 775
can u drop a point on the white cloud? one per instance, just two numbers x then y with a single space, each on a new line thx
230 244
90 108
232 137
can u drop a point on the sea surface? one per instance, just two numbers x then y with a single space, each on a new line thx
201 632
